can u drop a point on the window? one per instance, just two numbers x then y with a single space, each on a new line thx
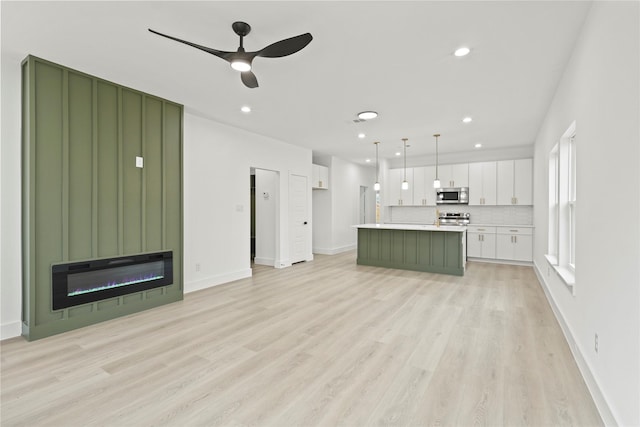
572 201
561 251
554 205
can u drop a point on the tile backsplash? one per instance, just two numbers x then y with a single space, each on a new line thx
498 215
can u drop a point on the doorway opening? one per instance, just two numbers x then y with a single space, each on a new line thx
362 217
265 216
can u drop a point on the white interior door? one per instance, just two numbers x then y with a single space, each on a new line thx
299 217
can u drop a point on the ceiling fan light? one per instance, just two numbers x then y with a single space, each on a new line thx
240 65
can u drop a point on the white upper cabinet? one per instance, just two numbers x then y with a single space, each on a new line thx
398 196
319 177
515 182
423 192
482 183
454 175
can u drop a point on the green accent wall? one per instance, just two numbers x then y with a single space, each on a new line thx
83 198
418 250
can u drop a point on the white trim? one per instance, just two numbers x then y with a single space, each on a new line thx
11 330
282 263
500 261
216 280
334 251
592 385
265 261
567 275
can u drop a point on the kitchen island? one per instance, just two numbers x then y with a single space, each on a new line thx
413 247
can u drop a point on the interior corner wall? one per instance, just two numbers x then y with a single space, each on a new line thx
346 200
337 209
600 90
10 202
218 160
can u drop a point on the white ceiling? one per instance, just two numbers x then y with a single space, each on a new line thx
390 56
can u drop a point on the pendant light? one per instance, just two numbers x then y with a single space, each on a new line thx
376 186
405 184
436 182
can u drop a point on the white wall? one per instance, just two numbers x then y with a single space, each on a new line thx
321 219
217 164
10 208
267 225
337 209
600 91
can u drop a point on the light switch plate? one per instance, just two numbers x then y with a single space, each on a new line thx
139 162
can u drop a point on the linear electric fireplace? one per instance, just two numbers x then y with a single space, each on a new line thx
85 282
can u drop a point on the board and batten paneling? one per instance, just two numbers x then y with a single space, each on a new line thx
429 251
83 196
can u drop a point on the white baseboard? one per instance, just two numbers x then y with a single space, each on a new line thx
598 397
334 251
264 261
282 263
500 261
216 280
10 330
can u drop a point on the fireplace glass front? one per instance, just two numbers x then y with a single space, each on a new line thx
84 282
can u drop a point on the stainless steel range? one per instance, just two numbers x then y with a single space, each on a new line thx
454 218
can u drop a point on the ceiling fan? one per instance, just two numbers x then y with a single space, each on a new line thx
241 60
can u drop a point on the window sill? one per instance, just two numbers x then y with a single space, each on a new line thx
567 275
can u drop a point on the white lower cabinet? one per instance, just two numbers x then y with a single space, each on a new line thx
514 243
481 242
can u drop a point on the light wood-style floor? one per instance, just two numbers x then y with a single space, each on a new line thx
321 343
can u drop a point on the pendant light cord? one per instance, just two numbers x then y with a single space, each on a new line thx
436 157
377 169
405 158
437 135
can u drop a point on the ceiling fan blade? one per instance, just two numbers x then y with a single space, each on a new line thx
249 79
219 53
285 47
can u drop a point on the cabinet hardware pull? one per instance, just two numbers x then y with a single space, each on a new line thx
514 231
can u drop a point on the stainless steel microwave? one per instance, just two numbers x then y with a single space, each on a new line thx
452 196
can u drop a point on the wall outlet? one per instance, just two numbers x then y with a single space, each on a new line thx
595 343
197 266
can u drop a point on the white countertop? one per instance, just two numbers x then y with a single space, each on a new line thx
419 227
503 225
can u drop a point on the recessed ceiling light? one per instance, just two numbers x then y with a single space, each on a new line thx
245 109
367 115
398 153
463 51
467 120
478 145
361 135
368 160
